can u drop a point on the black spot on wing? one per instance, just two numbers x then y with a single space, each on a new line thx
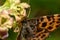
38 35
46 31
58 22
50 27
39 30
41 18
43 36
59 15
48 17
50 23
57 25
44 24
58 19
37 21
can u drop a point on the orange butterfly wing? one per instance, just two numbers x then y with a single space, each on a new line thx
39 28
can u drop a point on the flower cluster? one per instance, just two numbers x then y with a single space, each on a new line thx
15 12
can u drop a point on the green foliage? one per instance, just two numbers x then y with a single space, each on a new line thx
44 7
12 35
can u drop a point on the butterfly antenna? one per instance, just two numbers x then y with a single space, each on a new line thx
29 9
29 12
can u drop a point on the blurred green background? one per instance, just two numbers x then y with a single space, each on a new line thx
44 7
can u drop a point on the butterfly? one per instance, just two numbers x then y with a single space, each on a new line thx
39 28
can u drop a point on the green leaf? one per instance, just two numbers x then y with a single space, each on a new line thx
12 35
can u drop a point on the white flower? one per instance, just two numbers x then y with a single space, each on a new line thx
8 23
17 1
3 29
18 18
23 12
16 29
5 14
24 5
